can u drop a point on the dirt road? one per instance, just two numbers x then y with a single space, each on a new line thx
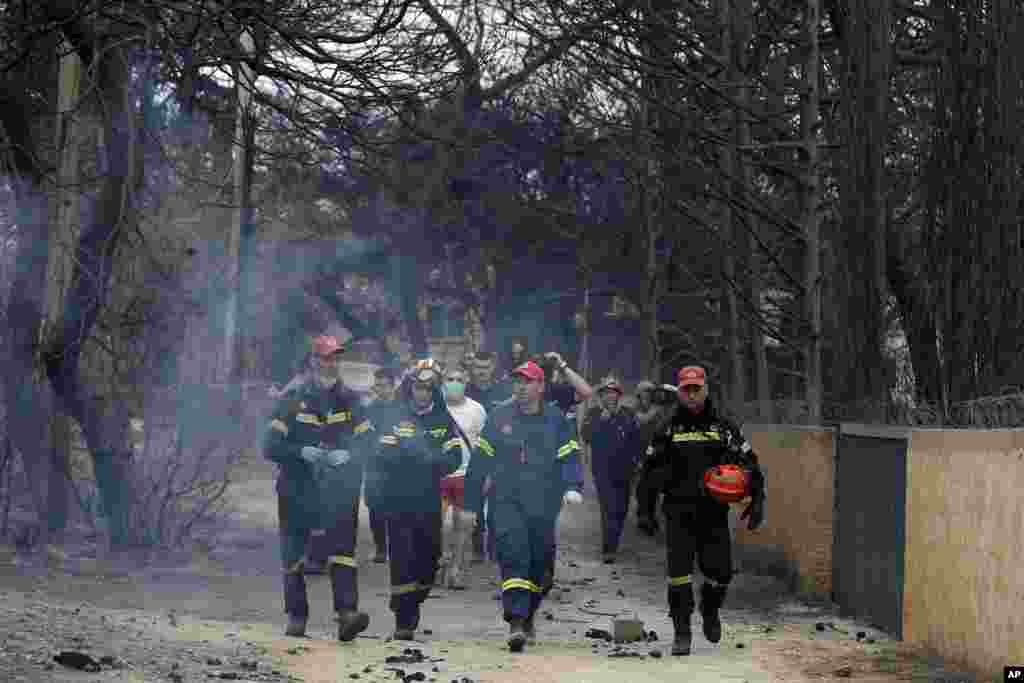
219 617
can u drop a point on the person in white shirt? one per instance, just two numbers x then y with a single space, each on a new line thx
471 417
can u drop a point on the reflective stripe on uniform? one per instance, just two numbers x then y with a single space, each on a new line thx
569 447
405 431
307 418
363 426
279 426
485 447
680 580
343 560
335 418
696 436
406 588
389 440
452 443
296 568
439 432
745 448
522 584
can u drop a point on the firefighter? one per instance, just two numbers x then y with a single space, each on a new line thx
382 396
696 524
613 433
317 435
655 406
488 392
418 443
529 454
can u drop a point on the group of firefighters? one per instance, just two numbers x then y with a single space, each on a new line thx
504 456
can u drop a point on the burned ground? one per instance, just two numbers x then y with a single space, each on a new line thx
218 616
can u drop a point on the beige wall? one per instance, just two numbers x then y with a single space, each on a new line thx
799 468
964 574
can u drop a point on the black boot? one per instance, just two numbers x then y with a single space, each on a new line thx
406 625
296 604
351 623
296 626
683 637
711 597
516 635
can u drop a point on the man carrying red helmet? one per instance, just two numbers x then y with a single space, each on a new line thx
697 441
318 436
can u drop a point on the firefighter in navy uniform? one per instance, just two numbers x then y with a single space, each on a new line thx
529 453
318 436
418 443
613 432
696 524
488 392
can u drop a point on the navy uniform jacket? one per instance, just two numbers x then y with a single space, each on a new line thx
563 396
690 446
377 412
617 442
412 453
532 459
330 419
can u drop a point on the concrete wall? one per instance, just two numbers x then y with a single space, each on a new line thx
796 540
964 571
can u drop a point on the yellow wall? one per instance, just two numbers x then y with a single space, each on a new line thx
964 574
799 469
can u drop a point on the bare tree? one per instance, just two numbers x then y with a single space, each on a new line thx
810 128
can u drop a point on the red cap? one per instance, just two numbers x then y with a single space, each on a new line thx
530 371
610 385
692 375
326 345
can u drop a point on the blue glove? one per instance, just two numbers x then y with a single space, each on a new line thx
312 454
572 497
338 457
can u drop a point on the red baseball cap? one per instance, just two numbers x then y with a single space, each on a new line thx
610 385
530 371
692 375
326 345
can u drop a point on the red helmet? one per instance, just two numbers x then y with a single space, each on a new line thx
727 483
326 345
610 384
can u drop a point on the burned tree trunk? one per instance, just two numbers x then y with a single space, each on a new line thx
811 219
103 418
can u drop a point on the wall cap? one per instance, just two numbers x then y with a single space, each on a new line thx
759 427
876 431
